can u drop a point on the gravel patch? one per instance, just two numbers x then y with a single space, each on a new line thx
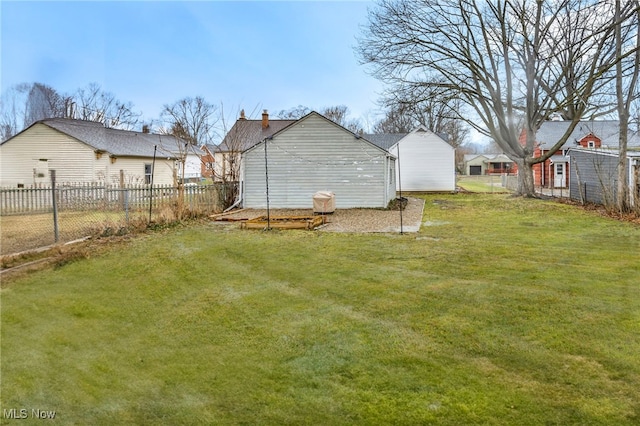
351 220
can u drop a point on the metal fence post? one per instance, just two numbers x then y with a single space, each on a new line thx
126 206
54 201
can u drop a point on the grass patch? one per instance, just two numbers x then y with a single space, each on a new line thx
481 184
509 311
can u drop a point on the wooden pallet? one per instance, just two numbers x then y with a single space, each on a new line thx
283 222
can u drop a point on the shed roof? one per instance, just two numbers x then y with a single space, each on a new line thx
387 140
384 140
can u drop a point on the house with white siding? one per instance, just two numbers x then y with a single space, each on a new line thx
86 152
315 154
425 160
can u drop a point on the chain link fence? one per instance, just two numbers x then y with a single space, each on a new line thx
36 217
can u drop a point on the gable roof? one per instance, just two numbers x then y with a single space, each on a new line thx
387 140
316 114
246 133
384 140
606 130
122 143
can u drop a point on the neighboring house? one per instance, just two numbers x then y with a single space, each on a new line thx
554 172
85 152
425 160
193 164
315 154
222 162
594 175
488 164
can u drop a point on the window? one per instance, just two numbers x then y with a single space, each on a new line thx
591 144
559 169
148 172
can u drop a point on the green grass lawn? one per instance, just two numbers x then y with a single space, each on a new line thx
500 311
485 183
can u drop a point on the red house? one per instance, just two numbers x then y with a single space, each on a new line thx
554 172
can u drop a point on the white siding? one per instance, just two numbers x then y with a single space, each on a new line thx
133 169
427 163
192 167
72 160
316 155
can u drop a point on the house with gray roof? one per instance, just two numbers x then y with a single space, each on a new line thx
488 164
87 152
223 160
590 134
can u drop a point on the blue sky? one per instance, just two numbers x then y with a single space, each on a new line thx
254 55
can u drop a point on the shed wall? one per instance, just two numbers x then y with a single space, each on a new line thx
427 163
593 177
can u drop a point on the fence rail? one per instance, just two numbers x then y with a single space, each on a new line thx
31 220
106 198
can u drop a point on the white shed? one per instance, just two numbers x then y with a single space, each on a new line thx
426 162
84 152
315 154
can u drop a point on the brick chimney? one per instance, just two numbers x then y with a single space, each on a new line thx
265 119
242 117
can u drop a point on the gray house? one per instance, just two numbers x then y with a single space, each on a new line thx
594 175
315 154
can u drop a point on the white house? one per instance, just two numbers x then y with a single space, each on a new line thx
315 154
425 161
85 152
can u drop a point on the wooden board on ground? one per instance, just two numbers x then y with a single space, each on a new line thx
284 222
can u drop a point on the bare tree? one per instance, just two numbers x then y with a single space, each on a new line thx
91 103
340 114
223 160
627 90
337 113
192 119
43 102
395 120
432 107
294 113
13 109
504 59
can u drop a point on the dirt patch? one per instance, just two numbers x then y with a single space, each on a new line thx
351 220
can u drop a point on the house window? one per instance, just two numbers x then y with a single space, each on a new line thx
148 170
591 144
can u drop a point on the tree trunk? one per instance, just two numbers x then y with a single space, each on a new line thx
526 187
623 203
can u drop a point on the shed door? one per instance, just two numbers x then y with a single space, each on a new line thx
558 177
475 170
